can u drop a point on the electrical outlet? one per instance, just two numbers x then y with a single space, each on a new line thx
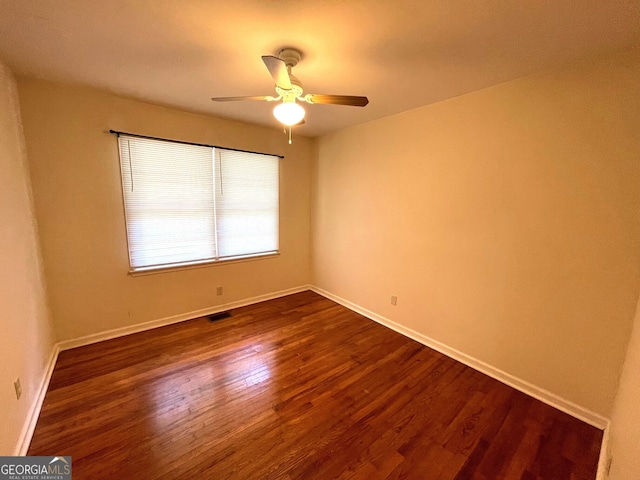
394 300
18 388
219 291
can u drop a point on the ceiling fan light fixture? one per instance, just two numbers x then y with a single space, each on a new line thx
289 113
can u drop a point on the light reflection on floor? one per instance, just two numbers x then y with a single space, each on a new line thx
218 380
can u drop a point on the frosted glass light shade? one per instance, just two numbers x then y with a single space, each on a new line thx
289 113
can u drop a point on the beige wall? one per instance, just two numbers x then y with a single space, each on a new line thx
624 436
507 222
27 337
77 190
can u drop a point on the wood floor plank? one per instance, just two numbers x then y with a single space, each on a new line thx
297 388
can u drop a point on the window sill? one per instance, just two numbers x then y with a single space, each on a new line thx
139 272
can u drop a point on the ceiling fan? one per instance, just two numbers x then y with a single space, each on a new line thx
289 90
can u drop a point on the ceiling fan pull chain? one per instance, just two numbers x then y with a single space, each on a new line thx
289 134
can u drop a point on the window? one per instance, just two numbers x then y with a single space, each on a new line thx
188 204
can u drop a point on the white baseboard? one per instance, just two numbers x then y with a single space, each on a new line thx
140 327
605 455
34 411
541 394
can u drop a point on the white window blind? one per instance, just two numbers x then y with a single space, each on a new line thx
246 204
187 204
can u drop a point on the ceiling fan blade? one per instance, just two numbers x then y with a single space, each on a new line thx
267 98
278 70
349 100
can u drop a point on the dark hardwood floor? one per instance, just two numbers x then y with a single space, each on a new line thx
297 388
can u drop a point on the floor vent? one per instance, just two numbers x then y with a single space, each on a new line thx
218 316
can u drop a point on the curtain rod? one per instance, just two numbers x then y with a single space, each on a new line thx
115 132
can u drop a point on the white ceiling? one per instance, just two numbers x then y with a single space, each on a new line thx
402 54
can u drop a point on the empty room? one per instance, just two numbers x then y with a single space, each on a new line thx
320 239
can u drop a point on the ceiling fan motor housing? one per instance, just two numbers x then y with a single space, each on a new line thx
290 56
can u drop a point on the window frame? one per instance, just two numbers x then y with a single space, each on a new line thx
199 263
